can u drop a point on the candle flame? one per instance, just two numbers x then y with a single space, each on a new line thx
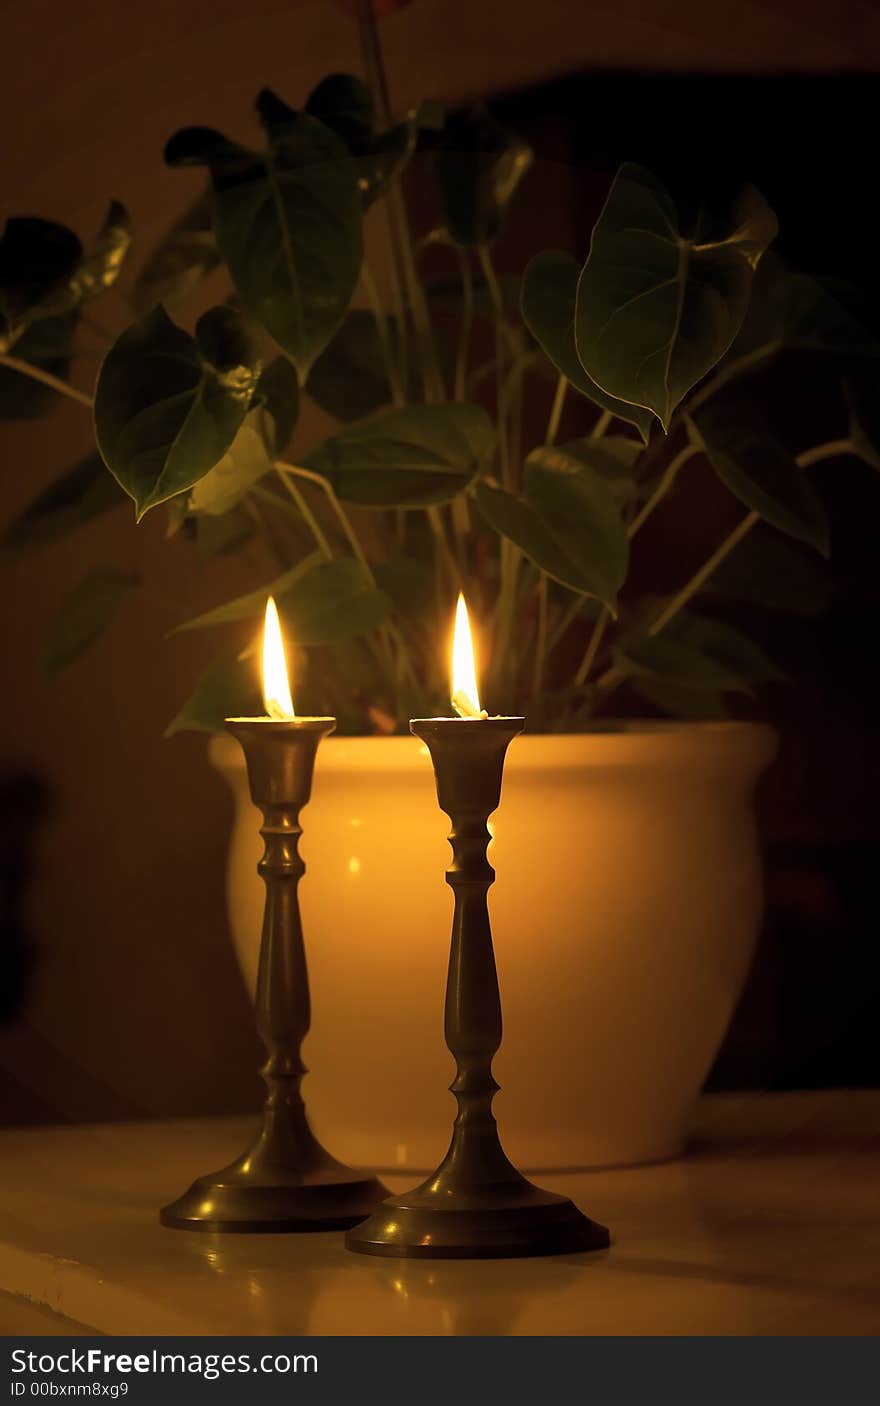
465 697
276 687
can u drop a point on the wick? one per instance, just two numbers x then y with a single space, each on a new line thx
465 708
276 712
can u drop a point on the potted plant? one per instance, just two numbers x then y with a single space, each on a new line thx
629 895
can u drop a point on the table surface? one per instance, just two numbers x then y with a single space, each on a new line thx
771 1225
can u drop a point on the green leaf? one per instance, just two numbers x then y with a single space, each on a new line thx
349 379
46 344
335 600
695 653
775 573
252 604
675 661
288 223
789 309
36 257
480 165
407 458
655 308
182 258
228 688
44 273
726 645
244 464
85 614
761 473
278 389
217 535
863 399
321 601
82 493
566 522
679 701
548 299
614 458
344 104
98 269
168 406
409 582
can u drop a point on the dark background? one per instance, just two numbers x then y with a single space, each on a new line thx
120 994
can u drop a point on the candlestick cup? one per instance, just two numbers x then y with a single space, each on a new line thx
476 1204
285 1181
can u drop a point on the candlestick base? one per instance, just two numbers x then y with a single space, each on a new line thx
248 1197
514 1219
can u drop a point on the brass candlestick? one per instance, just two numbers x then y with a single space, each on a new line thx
285 1181
476 1204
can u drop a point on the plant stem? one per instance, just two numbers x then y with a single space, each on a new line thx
453 569
700 577
337 507
830 450
467 322
541 640
397 217
670 474
498 308
314 526
383 332
36 373
556 411
592 649
570 614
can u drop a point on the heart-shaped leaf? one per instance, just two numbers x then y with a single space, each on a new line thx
345 105
349 379
566 522
548 299
695 653
775 573
677 700
244 464
614 458
791 309
321 602
761 473
480 165
407 458
168 405
45 274
252 605
99 268
228 688
181 259
36 257
84 615
336 600
657 309
83 493
288 223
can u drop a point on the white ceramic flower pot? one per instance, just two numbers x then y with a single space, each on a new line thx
626 907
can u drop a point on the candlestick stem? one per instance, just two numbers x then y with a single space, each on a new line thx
476 1204
285 1180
